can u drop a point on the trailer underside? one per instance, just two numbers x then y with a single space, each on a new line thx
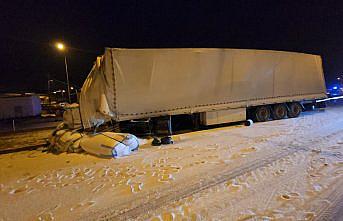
163 126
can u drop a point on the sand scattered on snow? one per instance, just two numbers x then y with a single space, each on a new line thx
44 186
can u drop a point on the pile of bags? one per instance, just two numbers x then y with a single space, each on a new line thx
103 144
64 139
67 137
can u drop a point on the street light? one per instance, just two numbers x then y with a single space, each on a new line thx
49 81
61 47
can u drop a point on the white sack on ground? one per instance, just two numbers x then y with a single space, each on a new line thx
109 144
65 140
71 116
106 144
69 141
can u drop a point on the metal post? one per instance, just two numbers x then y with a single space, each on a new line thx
13 125
67 75
49 93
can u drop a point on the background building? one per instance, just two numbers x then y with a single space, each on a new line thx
19 105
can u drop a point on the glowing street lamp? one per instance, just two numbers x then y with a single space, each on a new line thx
61 47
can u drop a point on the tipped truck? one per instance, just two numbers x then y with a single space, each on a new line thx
213 85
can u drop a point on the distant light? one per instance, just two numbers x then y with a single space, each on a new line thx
54 92
335 87
60 46
338 78
328 99
72 88
63 91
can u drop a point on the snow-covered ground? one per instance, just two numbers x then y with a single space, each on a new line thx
12 141
289 169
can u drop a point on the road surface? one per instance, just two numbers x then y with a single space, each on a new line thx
290 169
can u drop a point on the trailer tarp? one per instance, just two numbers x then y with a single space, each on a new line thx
136 83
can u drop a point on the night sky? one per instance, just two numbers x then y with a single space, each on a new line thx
29 29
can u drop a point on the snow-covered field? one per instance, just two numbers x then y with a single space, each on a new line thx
289 169
23 139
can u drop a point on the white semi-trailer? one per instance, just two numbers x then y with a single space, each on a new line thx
215 85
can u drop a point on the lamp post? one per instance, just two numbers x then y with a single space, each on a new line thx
60 46
49 94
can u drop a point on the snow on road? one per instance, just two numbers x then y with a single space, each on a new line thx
290 169
23 139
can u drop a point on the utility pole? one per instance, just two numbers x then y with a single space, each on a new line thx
67 75
61 47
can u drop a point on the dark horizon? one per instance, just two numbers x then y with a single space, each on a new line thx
31 28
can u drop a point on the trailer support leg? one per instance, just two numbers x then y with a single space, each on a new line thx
163 128
168 139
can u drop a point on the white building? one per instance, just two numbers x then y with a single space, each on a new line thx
19 105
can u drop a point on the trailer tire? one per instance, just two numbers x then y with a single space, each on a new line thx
262 113
279 111
248 122
156 142
294 110
167 140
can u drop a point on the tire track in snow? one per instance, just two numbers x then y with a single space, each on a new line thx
155 200
332 209
182 191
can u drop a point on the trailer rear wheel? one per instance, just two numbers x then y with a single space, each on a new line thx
262 113
279 111
294 110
